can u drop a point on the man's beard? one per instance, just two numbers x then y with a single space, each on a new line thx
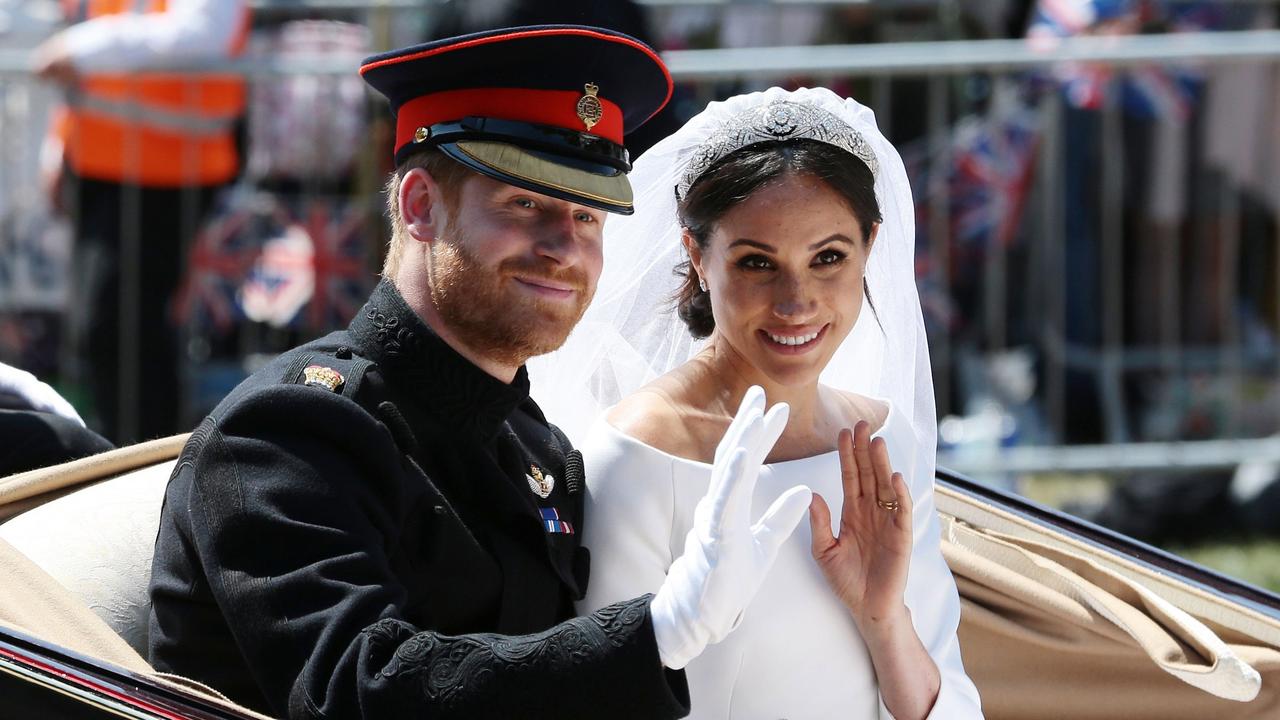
492 318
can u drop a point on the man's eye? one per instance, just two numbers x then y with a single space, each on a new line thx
526 203
586 217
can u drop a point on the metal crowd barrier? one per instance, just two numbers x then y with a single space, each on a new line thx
943 73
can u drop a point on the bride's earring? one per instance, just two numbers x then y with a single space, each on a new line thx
702 284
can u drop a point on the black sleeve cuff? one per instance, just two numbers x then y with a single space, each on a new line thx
605 664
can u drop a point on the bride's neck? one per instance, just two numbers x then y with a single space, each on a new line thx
728 376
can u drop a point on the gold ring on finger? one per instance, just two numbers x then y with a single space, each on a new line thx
890 505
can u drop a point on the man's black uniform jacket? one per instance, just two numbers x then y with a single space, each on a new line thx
379 550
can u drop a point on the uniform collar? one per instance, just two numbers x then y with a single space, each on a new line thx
415 359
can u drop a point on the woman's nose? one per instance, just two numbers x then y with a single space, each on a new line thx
792 300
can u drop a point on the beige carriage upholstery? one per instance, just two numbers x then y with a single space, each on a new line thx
97 540
79 518
103 552
1051 626
1054 627
33 602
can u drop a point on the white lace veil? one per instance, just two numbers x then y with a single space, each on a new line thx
631 334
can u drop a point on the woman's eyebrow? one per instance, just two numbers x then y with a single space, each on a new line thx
753 243
838 237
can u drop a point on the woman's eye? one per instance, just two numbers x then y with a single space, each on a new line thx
829 257
755 262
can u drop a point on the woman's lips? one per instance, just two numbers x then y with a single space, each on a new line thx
793 341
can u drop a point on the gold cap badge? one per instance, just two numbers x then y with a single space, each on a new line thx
589 109
325 377
421 134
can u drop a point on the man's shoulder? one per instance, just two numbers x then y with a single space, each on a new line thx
310 412
317 372
323 394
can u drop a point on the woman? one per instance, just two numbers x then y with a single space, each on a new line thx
796 218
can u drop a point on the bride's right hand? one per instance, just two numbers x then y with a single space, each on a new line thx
866 564
726 556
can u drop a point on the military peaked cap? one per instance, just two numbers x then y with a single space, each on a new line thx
542 107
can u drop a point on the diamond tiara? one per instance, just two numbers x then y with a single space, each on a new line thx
782 120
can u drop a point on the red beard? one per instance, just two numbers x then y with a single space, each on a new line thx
491 317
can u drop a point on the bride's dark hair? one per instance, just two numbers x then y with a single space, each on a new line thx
743 172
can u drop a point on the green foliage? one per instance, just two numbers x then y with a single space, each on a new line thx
1255 561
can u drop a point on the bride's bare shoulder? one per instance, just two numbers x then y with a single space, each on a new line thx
857 407
660 415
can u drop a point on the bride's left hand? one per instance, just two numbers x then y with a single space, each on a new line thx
866 565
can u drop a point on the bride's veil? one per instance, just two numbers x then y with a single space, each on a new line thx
631 333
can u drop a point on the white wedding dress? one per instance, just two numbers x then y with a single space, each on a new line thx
797 653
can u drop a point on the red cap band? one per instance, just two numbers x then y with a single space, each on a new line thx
544 107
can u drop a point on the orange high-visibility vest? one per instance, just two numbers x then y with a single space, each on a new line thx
165 130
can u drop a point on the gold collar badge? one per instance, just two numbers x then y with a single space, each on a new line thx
589 108
325 377
540 484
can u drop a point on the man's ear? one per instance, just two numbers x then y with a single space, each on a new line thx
422 207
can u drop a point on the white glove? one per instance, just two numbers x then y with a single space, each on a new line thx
35 394
725 557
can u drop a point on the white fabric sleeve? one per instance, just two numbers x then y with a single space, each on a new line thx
934 603
187 30
35 394
628 518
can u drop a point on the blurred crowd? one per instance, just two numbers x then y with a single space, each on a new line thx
275 239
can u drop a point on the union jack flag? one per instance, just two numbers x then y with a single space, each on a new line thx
989 166
340 258
313 271
282 280
992 161
1144 91
221 255
294 264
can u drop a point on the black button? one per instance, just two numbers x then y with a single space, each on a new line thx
342 353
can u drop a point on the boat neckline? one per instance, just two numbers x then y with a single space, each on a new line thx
688 461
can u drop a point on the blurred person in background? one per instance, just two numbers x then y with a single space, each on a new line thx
135 158
38 427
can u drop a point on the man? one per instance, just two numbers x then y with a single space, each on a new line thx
138 156
381 523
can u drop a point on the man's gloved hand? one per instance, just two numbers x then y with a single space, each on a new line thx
725 557
35 394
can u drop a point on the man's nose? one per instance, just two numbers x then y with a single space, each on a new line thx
557 239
